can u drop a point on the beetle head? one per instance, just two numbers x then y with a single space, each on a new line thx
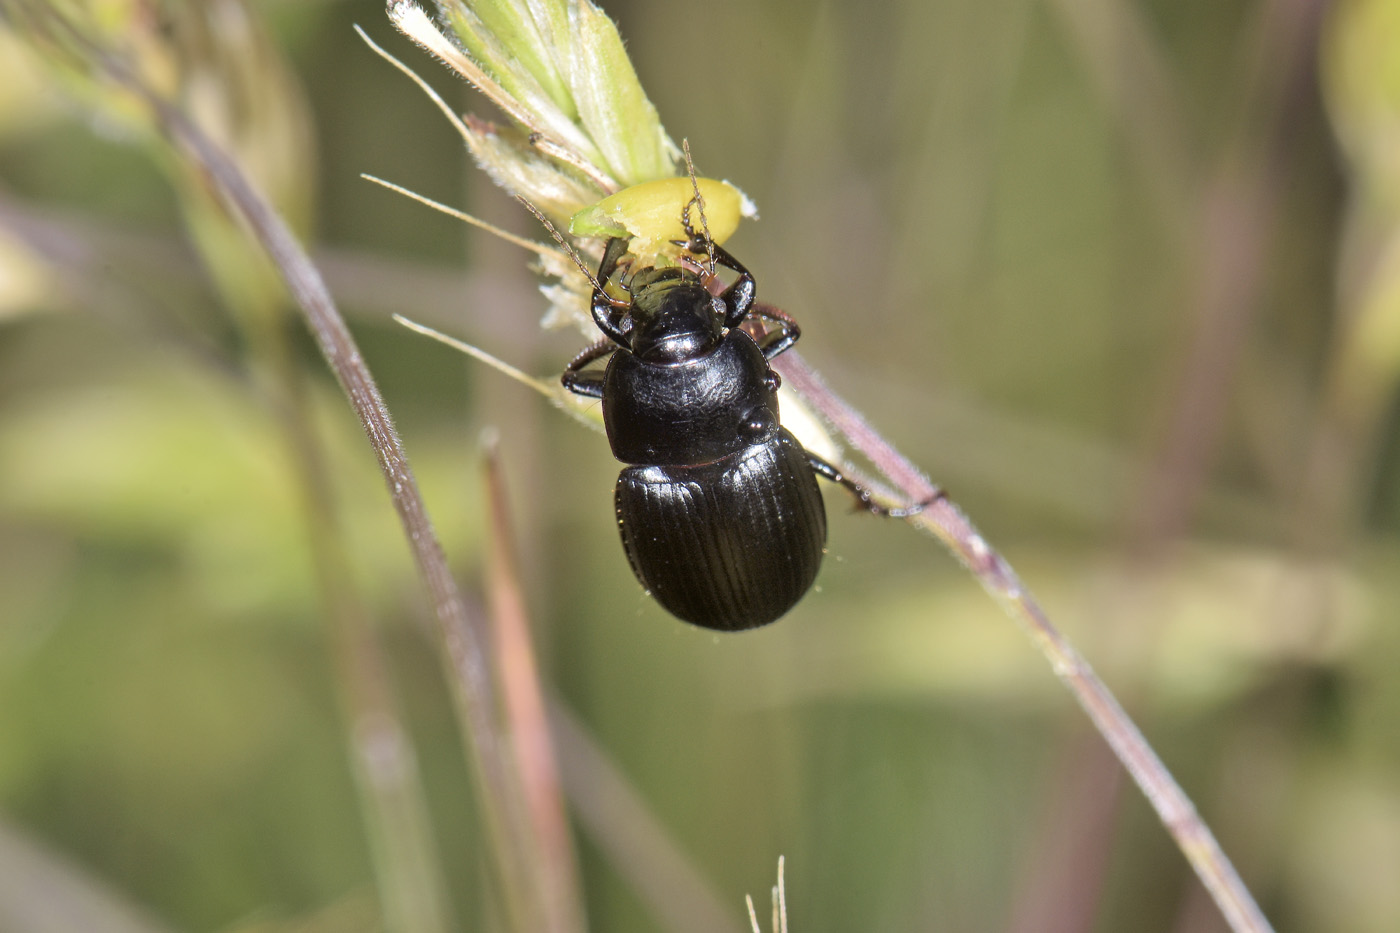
674 317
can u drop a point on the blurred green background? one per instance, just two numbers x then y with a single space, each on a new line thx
1123 276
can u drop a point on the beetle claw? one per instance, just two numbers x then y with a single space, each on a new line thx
696 244
914 508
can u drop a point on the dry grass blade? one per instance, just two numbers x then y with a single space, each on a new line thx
946 522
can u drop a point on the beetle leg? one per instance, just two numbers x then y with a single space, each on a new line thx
612 255
605 309
739 296
867 501
581 382
774 342
614 326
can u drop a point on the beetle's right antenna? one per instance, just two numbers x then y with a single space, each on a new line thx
699 201
573 253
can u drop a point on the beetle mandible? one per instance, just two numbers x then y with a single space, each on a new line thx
718 504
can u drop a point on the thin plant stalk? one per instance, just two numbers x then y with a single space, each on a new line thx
460 631
381 754
779 893
524 708
1232 217
946 522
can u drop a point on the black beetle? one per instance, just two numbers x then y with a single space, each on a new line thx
718 507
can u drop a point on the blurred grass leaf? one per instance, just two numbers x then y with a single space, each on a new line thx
563 65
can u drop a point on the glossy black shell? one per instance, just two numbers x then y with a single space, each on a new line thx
718 507
693 411
728 545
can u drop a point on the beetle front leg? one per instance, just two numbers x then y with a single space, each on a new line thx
581 382
774 342
867 501
604 308
616 328
738 298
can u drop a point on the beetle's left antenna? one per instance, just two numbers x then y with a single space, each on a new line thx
568 248
699 201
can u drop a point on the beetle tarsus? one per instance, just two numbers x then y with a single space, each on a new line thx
777 341
587 382
864 498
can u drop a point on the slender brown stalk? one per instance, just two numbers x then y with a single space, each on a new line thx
383 759
460 630
525 714
946 522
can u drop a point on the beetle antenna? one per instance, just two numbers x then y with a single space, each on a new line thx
699 201
568 248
